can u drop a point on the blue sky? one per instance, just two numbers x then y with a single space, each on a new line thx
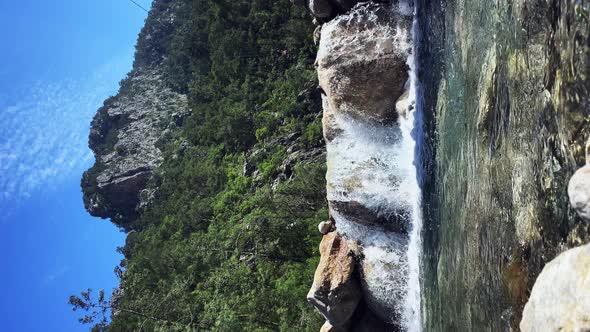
59 61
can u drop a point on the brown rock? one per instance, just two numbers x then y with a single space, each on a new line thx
326 227
362 61
335 291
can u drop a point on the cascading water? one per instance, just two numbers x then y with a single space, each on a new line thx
376 167
412 140
370 118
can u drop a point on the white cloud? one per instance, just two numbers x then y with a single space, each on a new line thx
44 136
55 274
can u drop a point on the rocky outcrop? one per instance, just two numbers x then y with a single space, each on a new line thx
336 291
506 96
358 53
560 299
363 72
127 132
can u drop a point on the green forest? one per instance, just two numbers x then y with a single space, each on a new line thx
230 241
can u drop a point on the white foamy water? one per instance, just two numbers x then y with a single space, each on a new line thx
375 166
412 140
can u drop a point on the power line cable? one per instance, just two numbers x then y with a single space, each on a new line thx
140 6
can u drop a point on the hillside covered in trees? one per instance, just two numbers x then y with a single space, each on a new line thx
221 227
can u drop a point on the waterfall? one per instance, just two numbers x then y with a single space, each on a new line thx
412 140
371 124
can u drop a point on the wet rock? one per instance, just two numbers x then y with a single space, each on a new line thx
578 189
327 327
326 227
394 220
321 8
362 61
365 320
344 5
402 106
317 34
560 299
335 291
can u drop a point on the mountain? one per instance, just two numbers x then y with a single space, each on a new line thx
211 158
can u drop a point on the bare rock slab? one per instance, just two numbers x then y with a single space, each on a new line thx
560 299
335 291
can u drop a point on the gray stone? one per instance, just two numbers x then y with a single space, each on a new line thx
560 299
124 136
578 189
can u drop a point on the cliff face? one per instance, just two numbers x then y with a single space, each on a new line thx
127 133
506 103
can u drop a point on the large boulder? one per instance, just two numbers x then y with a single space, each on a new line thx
335 291
362 61
560 299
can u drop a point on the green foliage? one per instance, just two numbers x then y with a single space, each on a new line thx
219 249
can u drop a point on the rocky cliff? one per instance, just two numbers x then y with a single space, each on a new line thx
127 133
506 100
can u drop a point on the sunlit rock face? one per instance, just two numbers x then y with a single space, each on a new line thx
127 132
124 136
336 291
560 299
362 61
363 71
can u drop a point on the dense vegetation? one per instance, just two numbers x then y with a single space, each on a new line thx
230 241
